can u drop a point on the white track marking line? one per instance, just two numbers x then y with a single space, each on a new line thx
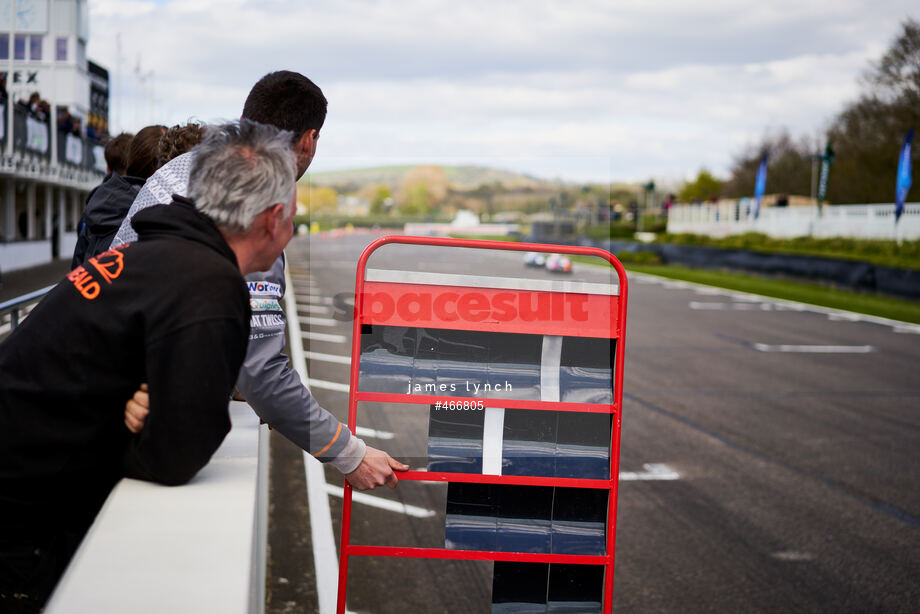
384 504
747 299
311 321
363 431
907 329
315 310
335 358
815 349
740 306
844 317
751 306
792 556
320 336
327 385
653 472
325 557
313 299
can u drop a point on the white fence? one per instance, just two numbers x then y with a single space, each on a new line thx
856 221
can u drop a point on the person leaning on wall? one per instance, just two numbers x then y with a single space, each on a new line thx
171 310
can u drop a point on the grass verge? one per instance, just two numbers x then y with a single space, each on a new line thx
870 304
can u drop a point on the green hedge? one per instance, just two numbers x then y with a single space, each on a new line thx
877 251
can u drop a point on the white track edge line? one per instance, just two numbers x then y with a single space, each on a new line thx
325 556
381 503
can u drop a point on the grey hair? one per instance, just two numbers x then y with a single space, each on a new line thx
240 169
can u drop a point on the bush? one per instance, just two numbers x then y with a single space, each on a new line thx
638 258
881 252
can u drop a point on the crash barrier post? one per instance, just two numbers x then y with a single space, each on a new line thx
552 443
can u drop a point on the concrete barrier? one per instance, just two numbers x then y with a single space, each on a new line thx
187 549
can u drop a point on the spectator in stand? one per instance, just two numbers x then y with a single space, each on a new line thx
64 120
25 106
35 101
109 203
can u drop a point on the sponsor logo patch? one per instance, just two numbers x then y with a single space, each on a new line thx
263 288
107 267
266 320
256 304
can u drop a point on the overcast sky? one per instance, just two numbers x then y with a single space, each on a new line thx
614 90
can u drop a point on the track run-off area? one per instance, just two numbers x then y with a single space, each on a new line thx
768 456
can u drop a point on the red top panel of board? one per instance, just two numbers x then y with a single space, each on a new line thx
504 310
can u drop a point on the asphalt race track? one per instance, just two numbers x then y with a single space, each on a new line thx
769 454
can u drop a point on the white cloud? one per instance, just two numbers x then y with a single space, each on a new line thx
655 89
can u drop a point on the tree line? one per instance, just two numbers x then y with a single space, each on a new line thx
866 139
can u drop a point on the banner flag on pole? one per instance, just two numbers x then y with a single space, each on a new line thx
760 185
826 161
904 180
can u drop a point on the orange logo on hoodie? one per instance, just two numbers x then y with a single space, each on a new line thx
109 264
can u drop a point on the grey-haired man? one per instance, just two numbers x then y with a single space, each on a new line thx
171 310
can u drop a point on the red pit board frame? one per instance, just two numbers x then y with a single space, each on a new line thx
617 330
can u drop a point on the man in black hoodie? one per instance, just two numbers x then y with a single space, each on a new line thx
171 310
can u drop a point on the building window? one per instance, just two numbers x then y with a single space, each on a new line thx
35 47
4 46
19 48
61 49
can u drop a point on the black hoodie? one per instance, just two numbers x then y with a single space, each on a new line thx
171 310
106 207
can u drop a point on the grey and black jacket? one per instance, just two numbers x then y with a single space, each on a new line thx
270 386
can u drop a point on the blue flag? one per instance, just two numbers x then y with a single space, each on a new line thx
903 184
760 185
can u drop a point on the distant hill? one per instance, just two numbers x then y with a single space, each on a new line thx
459 177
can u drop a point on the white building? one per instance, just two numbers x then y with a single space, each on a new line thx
46 168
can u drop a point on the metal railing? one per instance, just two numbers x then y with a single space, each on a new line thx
14 310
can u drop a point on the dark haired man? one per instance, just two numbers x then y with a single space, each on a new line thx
289 101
